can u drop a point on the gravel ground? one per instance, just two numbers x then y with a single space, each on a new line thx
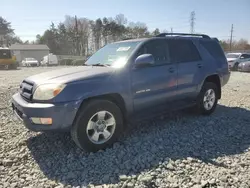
177 150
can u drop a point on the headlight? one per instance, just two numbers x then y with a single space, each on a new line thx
48 91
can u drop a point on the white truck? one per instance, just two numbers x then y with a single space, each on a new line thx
49 60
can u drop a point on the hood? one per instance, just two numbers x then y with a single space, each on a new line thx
231 59
67 75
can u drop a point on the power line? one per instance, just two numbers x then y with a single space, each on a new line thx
231 36
192 21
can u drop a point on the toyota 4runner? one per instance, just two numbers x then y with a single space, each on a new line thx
124 81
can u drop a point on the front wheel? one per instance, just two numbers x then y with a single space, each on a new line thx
97 126
235 67
208 98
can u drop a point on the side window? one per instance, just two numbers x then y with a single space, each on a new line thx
245 56
213 48
159 50
183 51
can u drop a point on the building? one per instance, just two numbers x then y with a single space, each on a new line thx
37 51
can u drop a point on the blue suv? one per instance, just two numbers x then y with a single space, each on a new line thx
124 81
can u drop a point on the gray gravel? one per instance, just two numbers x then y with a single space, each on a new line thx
177 150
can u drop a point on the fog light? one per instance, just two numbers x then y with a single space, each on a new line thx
44 121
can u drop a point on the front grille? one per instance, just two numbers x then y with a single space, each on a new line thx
26 89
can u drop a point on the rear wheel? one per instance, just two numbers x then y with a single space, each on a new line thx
207 99
97 126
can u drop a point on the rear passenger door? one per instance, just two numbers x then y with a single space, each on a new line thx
189 65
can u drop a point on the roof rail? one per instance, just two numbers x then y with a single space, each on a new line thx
183 34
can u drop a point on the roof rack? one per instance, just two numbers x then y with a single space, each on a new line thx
183 34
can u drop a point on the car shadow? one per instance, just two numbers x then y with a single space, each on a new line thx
177 136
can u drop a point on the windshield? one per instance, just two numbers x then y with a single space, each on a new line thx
5 54
30 59
114 55
232 55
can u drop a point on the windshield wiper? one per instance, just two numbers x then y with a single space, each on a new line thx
101 65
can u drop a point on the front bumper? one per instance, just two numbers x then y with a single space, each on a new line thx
62 114
244 68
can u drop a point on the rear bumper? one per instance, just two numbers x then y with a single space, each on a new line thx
62 114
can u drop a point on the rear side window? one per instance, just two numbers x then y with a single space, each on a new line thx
213 48
183 51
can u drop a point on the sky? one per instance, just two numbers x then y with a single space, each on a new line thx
212 17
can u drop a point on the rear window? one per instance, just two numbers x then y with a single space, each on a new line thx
5 54
213 48
183 51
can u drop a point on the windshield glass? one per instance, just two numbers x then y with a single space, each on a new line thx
232 55
5 54
30 59
114 55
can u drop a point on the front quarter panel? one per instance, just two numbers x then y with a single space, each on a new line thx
117 82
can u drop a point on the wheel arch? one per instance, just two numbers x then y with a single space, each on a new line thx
216 80
116 98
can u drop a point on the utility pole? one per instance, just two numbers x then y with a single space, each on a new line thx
231 36
171 30
192 22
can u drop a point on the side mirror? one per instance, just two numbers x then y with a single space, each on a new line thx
144 60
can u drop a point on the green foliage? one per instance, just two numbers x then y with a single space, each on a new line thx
8 33
81 36
67 62
78 62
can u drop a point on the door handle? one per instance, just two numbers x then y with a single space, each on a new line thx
171 69
199 65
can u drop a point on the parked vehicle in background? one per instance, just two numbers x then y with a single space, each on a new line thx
30 62
49 60
244 66
124 81
7 59
234 59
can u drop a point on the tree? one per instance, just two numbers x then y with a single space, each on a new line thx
81 36
239 45
120 19
156 32
97 27
7 35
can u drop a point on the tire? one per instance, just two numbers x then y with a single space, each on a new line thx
235 67
84 137
201 105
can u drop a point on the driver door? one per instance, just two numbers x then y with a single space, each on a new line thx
154 87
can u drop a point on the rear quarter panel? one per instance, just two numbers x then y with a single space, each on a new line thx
212 66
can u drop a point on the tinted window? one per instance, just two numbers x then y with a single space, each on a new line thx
5 54
213 48
183 51
159 49
245 56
